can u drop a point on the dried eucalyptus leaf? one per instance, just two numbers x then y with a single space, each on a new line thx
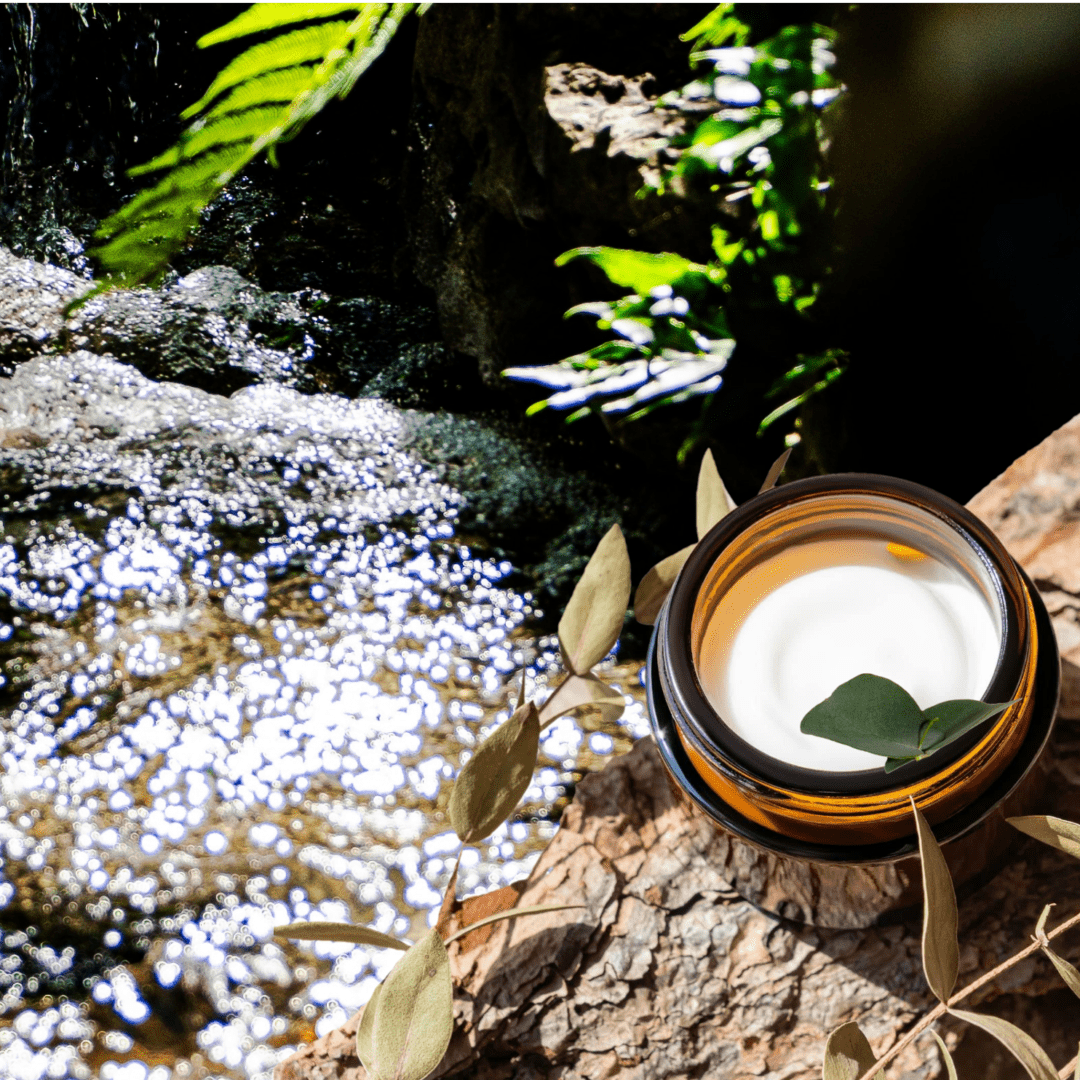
950 1065
941 953
493 780
714 501
775 469
654 587
1041 924
1055 831
446 908
593 619
521 690
1019 1043
1070 976
871 714
513 913
577 691
339 931
848 1055
363 1034
414 1018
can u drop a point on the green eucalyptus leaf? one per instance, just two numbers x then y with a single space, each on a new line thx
654 587
848 1055
1019 1043
950 1065
1055 831
363 1035
940 949
493 780
414 1015
593 619
951 719
714 501
337 931
894 763
871 714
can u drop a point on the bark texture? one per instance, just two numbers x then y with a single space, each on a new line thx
665 972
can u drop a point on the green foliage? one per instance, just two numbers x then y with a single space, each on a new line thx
759 154
262 98
881 717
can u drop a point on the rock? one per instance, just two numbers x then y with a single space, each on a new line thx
32 299
666 972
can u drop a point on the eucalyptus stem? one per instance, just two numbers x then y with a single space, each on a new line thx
942 1008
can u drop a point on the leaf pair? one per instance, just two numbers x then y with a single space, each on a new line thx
493 780
879 716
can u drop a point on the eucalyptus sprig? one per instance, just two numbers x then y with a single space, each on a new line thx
848 1055
879 716
409 1019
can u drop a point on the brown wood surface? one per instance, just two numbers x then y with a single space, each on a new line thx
665 972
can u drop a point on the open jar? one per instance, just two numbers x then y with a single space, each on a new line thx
798 590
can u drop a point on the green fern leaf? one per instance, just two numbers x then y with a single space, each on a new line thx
261 17
261 98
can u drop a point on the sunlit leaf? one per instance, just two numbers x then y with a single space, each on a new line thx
363 1035
493 780
414 1015
1069 975
1055 831
577 691
941 952
261 17
871 714
337 931
593 619
654 587
637 270
514 913
775 469
950 1065
1019 1043
714 501
848 1054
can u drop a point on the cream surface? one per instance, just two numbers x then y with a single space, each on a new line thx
799 624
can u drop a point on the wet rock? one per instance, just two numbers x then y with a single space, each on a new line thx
32 299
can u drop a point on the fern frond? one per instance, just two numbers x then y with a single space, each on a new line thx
263 97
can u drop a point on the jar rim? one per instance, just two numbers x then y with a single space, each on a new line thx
721 744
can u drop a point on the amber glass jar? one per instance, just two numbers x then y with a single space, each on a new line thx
853 818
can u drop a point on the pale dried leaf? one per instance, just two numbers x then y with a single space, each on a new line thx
654 587
493 780
714 501
513 913
1040 926
1055 831
446 908
775 469
593 619
1068 973
414 1017
339 931
1019 1043
363 1034
521 690
577 691
941 953
950 1065
848 1054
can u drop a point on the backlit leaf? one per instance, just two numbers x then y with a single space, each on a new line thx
714 501
499 916
338 931
950 1065
637 270
593 619
577 691
261 17
1019 1043
941 953
414 1016
654 587
1055 831
493 780
848 1054
871 714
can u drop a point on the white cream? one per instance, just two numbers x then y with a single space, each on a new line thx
802 622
